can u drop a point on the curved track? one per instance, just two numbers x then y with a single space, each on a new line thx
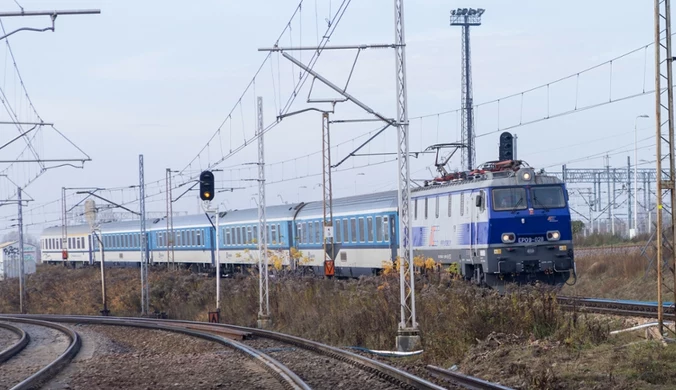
17 347
286 377
46 372
372 368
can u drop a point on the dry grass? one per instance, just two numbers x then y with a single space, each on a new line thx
548 349
620 273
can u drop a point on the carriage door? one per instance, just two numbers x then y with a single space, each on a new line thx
472 224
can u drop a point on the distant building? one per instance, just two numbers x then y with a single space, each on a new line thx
10 267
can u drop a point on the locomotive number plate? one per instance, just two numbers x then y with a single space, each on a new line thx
526 240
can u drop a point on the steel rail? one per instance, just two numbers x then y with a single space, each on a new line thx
55 366
9 352
466 381
385 371
286 377
624 308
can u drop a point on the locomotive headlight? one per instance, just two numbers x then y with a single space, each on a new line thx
508 238
526 176
553 235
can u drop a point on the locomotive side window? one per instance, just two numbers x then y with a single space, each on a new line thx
450 204
415 209
462 204
426 207
507 199
436 207
547 197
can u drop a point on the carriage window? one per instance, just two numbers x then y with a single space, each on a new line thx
386 228
299 233
346 237
255 234
509 199
547 197
336 231
450 204
306 233
369 228
319 233
273 234
353 229
198 236
379 229
227 236
436 207
426 199
361 229
248 235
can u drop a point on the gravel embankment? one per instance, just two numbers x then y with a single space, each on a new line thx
46 344
115 357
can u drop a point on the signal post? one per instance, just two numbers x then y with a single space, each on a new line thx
207 195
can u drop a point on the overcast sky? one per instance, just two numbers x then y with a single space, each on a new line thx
158 78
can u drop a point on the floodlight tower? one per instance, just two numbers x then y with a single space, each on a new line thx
467 17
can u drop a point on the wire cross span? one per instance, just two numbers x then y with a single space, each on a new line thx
30 161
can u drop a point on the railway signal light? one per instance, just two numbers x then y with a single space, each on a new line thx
206 185
506 150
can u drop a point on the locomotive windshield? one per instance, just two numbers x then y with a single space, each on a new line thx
509 199
547 197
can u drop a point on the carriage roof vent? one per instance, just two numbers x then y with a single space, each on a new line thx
156 220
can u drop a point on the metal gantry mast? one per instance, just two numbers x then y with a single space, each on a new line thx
664 121
22 281
144 259
169 241
264 296
408 337
327 205
64 228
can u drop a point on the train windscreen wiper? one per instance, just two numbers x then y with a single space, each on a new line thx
535 200
517 205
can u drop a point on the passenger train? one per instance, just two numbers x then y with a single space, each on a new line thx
501 223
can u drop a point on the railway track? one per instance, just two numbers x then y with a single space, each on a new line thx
466 381
30 362
616 307
295 359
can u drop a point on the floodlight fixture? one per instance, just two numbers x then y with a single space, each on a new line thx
467 16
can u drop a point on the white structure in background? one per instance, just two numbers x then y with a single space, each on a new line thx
9 259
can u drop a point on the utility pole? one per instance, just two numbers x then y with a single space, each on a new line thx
263 291
22 282
145 299
664 126
465 18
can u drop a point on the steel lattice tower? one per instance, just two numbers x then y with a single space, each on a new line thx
467 17
664 121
